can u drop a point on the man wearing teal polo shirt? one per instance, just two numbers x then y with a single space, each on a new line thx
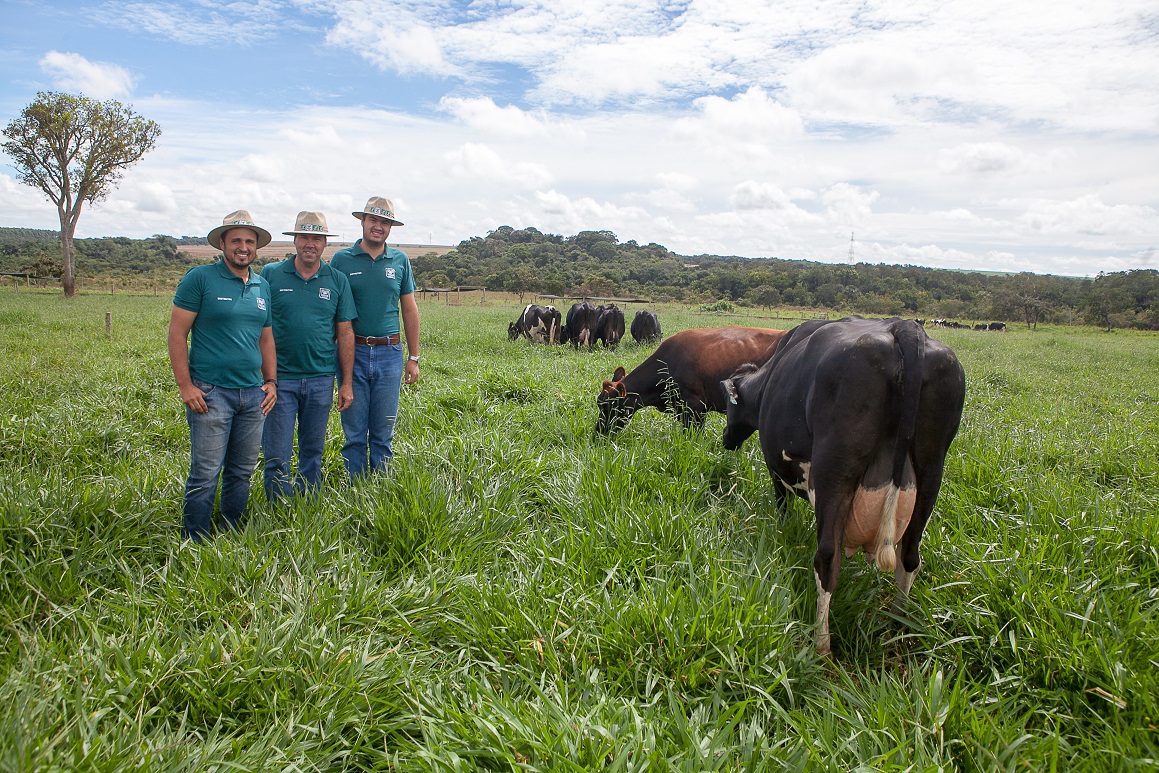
312 310
383 288
228 375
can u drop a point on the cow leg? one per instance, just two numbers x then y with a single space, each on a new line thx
823 599
904 580
832 487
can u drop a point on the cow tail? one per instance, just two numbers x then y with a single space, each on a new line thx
912 347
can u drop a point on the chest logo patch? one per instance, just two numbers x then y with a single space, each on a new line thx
261 303
324 293
390 272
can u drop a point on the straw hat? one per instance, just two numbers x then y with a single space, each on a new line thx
239 219
380 207
311 224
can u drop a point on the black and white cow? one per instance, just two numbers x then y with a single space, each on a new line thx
580 327
609 327
538 324
645 327
856 415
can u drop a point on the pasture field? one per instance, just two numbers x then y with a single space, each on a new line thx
520 594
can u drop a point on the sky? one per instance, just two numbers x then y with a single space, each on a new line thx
965 134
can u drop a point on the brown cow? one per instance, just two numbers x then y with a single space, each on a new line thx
683 375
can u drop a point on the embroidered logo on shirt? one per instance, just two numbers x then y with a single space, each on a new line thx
390 272
285 289
262 304
324 293
224 299
355 273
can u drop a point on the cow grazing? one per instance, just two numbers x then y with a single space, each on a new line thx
580 326
683 375
856 415
645 327
609 327
538 324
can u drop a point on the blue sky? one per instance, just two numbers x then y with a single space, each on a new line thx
976 134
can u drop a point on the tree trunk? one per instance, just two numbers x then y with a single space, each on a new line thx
67 253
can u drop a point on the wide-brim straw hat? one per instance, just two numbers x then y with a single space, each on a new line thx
381 207
309 224
239 219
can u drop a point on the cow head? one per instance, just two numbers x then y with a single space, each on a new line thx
512 331
743 406
615 403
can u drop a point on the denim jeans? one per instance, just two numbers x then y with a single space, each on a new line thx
369 421
224 444
305 402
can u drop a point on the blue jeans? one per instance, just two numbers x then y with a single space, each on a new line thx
305 402
369 421
224 444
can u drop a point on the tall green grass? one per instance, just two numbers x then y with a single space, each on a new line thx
521 594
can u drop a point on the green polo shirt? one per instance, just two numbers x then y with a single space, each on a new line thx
377 284
230 316
305 311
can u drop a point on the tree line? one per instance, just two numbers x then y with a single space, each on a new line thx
598 264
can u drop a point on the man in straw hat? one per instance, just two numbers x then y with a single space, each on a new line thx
312 310
383 287
228 375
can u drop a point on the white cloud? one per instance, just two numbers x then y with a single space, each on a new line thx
1090 215
99 80
199 22
980 158
482 114
477 161
751 117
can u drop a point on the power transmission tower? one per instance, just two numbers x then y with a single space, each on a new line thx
851 248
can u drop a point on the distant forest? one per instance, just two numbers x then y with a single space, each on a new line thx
598 264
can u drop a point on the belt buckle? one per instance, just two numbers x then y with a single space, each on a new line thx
370 341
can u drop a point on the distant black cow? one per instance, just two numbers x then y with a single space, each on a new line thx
645 327
981 326
580 327
609 326
999 326
683 375
538 324
856 415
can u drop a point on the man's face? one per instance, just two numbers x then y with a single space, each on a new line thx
240 247
375 229
309 248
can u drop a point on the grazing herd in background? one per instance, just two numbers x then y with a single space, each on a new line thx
855 415
586 325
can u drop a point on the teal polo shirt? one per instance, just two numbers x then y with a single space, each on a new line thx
231 313
305 311
377 284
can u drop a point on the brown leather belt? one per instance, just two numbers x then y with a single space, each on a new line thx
377 340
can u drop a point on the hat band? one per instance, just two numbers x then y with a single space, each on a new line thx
381 212
239 223
310 227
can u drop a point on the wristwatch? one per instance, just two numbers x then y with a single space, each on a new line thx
413 358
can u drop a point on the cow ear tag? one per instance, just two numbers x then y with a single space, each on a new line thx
731 389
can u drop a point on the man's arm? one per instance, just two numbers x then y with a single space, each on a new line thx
410 325
180 323
344 334
269 369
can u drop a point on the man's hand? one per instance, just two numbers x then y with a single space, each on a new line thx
271 390
193 398
345 397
